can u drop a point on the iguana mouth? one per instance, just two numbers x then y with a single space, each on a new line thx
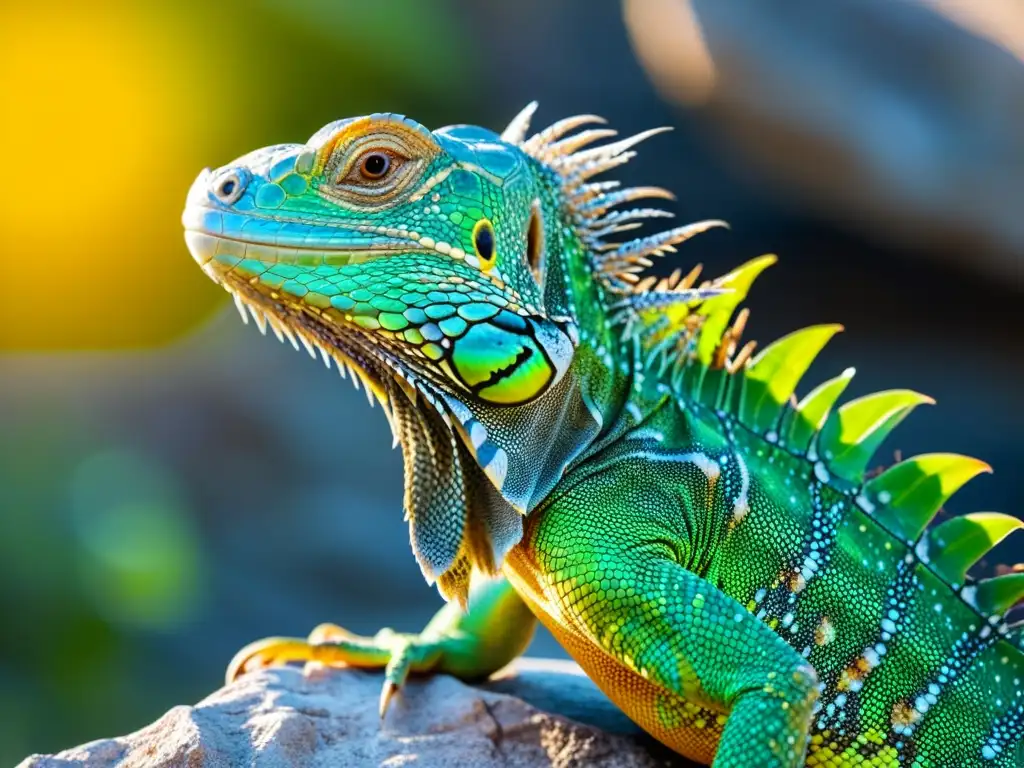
380 367
212 232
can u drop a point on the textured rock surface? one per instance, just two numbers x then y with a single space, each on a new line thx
285 717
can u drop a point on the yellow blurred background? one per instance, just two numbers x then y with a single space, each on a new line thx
110 110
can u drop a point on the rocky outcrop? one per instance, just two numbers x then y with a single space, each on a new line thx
326 717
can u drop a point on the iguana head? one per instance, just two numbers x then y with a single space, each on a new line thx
461 275
419 254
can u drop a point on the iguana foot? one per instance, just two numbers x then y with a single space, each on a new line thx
469 645
397 653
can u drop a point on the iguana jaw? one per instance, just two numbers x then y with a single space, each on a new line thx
224 255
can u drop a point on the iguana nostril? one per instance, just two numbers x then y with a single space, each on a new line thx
229 188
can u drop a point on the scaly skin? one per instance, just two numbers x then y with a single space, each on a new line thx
707 547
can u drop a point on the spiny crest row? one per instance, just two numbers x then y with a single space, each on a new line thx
690 338
698 351
572 156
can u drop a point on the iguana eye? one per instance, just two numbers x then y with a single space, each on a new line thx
374 165
371 170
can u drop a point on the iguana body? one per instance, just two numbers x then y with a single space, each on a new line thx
707 547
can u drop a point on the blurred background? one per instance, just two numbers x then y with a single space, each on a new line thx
173 485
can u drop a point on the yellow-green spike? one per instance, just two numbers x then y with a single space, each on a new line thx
718 309
996 595
909 494
957 544
810 413
772 376
852 434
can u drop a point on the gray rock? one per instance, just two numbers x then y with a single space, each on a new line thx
328 717
900 119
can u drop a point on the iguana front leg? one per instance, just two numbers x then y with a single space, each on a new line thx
674 652
467 644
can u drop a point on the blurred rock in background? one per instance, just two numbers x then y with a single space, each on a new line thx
903 118
173 485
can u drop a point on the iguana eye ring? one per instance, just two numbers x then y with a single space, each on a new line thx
374 165
483 243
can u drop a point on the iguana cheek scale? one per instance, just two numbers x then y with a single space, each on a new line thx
706 544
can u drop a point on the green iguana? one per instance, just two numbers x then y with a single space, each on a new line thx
708 547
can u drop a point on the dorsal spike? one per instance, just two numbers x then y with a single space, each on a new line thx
997 595
580 198
597 204
771 377
909 494
568 163
580 173
809 415
633 214
647 284
957 544
655 245
739 360
645 301
574 142
670 281
852 434
557 130
689 279
718 311
516 130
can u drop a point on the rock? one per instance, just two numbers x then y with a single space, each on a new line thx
328 717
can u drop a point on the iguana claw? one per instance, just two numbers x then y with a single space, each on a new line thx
269 652
465 645
397 654
386 692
